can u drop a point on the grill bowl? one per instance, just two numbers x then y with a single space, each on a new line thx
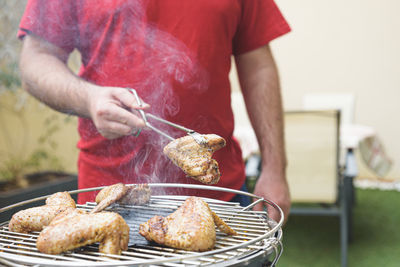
259 238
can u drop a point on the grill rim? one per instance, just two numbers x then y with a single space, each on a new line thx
269 248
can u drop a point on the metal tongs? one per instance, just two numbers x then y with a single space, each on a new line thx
196 136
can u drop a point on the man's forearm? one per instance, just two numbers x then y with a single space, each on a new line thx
46 76
260 86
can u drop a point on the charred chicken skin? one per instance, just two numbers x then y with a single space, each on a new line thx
195 159
76 228
132 195
191 227
34 219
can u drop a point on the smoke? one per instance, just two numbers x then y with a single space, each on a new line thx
165 61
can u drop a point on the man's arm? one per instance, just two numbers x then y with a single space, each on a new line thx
46 76
259 81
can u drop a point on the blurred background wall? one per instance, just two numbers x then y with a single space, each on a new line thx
345 47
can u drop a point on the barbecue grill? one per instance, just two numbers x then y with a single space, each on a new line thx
259 238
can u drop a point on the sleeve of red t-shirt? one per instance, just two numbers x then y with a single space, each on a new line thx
53 20
261 22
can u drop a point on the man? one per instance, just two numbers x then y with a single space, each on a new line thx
176 54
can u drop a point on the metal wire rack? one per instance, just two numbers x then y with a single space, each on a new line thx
259 238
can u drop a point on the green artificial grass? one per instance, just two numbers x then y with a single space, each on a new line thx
315 241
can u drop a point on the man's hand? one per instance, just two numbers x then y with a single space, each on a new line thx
46 76
272 188
114 111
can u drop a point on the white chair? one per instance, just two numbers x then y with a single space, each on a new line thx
352 136
312 142
345 102
314 173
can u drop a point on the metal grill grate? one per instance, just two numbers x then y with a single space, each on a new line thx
255 237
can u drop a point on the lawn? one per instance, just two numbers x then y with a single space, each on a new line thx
314 241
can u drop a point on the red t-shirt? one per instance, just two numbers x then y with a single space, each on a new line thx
177 55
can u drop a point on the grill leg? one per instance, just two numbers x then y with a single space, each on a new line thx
344 237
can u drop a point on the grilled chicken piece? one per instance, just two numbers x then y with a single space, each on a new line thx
77 228
195 159
109 195
222 226
138 194
34 219
191 227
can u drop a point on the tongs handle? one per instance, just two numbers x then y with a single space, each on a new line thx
180 127
159 131
143 114
133 91
197 137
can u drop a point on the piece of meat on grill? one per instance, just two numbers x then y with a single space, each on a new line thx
191 227
195 159
34 219
137 194
77 228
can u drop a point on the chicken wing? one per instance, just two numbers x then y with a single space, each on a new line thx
76 228
34 219
138 194
190 227
195 159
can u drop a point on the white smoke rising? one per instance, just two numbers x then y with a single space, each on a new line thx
166 60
